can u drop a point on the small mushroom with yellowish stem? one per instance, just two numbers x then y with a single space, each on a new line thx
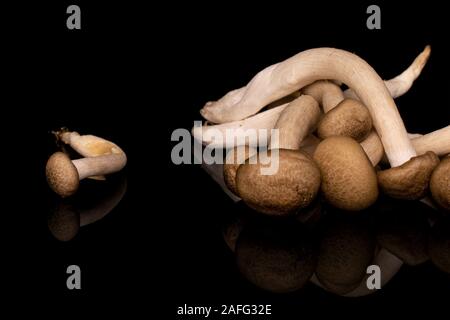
440 183
102 157
349 118
349 181
296 181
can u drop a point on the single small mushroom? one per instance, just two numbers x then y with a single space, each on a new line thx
64 174
296 181
349 118
101 157
440 183
410 180
349 181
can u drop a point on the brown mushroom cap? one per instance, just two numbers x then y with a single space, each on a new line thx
440 183
233 160
294 186
349 181
410 180
349 118
62 175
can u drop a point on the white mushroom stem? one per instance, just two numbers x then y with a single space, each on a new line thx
101 165
437 141
308 66
296 121
373 147
399 85
327 93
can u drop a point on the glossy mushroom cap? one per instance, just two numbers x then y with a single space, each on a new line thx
349 181
440 183
410 180
294 186
349 118
62 175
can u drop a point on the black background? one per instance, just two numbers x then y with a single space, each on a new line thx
135 73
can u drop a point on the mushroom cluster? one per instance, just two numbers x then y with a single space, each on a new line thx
345 147
100 157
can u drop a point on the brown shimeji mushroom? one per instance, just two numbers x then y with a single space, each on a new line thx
349 118
296 181
349 181
64 174
410 180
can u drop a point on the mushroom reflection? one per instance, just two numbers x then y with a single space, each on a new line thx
402 229
91 204
346 249
277 256
439 244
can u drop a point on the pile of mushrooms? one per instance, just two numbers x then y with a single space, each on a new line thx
331 141
100 157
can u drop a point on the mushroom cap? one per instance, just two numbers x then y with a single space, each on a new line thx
292 187
235 157
349 118
349 181
62 175
410 180
440 183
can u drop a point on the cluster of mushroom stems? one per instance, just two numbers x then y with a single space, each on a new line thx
330 141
